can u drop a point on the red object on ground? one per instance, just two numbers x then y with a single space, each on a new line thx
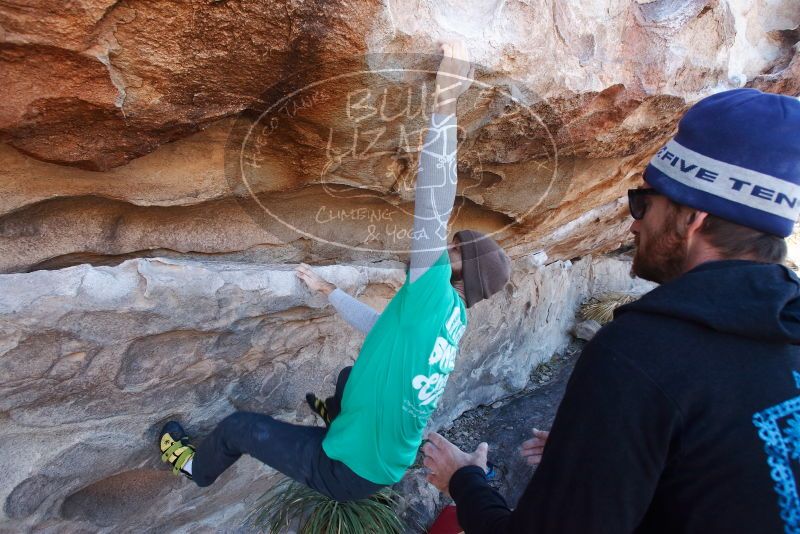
447 522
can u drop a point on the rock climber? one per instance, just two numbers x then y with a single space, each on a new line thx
382 404
683 413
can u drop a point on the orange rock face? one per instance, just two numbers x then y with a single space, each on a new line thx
101 83
232 137
565 111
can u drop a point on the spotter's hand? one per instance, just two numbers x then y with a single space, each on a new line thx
443 459
533 448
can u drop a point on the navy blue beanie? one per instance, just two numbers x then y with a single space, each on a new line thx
736 156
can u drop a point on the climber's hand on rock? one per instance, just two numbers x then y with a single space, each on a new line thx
443 459
533 448
314 281
453 77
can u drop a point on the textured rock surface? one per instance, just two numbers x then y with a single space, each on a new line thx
96 358
111 80
96 84
121 121
585 330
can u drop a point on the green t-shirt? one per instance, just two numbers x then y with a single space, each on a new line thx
398 378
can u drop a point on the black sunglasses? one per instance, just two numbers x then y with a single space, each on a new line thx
637 203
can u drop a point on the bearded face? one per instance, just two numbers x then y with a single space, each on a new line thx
661 246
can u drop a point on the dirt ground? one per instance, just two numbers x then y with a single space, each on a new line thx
508 422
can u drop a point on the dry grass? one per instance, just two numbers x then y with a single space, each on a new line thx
601 309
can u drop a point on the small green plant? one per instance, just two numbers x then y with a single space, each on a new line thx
290 503
601 309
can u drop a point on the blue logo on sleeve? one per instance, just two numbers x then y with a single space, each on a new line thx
779 428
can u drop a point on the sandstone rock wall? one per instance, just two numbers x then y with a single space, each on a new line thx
97 358
595 88
141 278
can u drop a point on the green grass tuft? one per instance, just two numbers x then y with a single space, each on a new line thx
290 503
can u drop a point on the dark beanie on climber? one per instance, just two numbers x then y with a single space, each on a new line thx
485 267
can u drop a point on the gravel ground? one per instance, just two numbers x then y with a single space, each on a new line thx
508 422
504 426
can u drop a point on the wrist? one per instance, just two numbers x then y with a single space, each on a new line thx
465 477
327 289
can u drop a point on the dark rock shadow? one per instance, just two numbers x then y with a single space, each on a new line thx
118 499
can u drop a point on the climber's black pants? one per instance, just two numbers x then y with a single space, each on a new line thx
334 404
294 450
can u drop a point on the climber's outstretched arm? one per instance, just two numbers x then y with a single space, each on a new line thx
359 315
437 179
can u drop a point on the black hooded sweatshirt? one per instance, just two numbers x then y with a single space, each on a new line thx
682 415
